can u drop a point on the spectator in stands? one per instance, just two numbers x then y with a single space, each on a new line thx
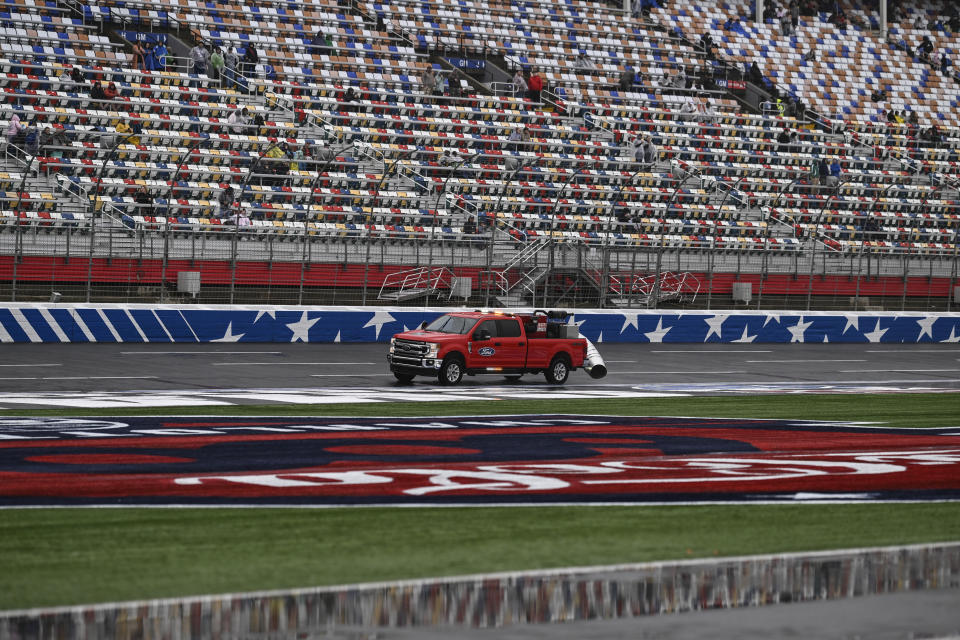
16 131
794 14
583 62
878 95
110 93
755 76
823 170
230 61
706 45
428 81
96 92
439 84
783 140
137 57
680 78
123 132
238 120
945 64
149 57
924 49
78 77
514 140
216 64
225 201
649 150
199 57
786 26
920 23
144 202
626 79
833 179
914 119
519 84
810 56
534 86
636 149
160 56
250 59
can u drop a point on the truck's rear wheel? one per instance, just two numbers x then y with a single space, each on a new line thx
404 377
558 371
451 371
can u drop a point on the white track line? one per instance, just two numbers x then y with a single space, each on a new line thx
709 351
897 370
102 378
212 353
53 364
813 360
312 364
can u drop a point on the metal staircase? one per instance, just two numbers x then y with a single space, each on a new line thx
515 292
417 283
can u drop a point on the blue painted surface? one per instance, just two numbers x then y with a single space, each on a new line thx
189 323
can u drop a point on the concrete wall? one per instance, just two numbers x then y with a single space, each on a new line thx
191 323
502 600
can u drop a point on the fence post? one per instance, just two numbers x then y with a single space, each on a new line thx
906 275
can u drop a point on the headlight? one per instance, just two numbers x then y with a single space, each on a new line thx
393 342
433 350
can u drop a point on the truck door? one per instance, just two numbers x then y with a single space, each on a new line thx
511 344
483 353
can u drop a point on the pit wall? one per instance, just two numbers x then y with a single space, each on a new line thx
505 600
190 323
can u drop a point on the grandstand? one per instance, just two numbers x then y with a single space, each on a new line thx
353 171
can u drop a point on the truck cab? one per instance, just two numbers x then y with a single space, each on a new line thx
479 342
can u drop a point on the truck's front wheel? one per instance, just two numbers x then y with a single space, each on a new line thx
451 371
558 371
404 377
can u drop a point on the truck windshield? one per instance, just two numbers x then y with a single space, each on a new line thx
452 324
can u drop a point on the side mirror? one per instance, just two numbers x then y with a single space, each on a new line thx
481 335
423 325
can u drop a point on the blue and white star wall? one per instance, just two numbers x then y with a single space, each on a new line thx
20 322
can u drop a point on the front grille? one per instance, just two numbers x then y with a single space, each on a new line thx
409 348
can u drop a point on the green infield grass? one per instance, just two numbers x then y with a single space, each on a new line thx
73 556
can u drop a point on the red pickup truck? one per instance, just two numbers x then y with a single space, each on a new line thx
480 342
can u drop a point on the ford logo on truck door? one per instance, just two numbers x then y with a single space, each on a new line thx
486 351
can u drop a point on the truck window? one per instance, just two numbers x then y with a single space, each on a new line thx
508 328
490 326
451 324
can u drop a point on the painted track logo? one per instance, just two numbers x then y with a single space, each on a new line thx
468 460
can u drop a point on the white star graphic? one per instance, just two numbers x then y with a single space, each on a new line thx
773 317
229 336
716 325
600 337
301 329
926 327
797 330
745 337
629 320
379 319
877 333
853 320
272 313
337 339
657 334
953 337
825 338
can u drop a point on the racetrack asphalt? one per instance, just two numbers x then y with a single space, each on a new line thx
698 369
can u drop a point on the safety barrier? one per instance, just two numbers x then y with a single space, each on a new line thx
503 600
60 323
